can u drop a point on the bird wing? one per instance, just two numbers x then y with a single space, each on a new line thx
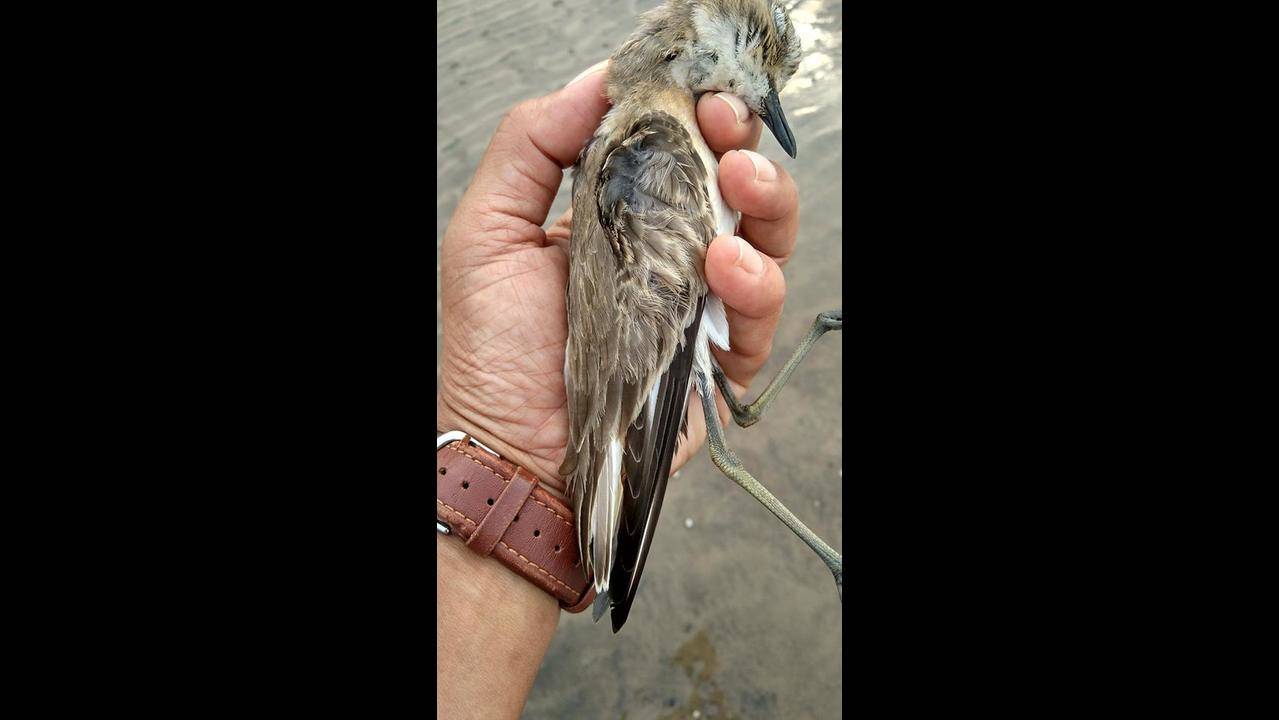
641 223
651 441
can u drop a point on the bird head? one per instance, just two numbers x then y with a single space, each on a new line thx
745 47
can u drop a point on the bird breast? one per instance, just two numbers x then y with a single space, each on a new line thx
725 217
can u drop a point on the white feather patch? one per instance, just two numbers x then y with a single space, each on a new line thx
715 321
606 513
701 356
572 436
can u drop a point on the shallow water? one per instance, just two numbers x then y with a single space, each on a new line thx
736 618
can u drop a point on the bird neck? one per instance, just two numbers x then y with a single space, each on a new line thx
648 96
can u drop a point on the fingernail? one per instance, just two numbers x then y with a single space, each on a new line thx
764 170
748 258
601 65
739 107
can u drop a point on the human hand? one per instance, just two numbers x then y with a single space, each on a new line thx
503 278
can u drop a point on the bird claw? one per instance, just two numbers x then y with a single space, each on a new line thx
832 320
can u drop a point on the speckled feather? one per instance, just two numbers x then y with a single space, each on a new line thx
640 317
640 229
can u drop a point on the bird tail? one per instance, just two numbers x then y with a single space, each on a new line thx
605 513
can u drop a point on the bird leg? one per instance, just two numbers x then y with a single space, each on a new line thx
728 463
747 415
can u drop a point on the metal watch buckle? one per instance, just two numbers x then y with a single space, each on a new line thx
440 442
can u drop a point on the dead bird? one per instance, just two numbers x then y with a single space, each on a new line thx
641 318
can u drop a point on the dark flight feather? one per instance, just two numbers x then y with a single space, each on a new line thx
650 446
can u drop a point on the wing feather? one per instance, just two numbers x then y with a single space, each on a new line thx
656 433
641 224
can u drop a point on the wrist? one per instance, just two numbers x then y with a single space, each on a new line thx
502 439
492 630
500 511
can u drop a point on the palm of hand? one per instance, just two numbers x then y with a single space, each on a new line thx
504 335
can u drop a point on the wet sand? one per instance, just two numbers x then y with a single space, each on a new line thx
736 617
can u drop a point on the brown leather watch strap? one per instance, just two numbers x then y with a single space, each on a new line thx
499 509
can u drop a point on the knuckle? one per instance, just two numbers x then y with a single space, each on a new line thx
517 116
755 359
779 290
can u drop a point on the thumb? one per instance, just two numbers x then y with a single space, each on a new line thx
521 170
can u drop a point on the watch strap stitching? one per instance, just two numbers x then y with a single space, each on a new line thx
462 516
539 568
498 519
466 451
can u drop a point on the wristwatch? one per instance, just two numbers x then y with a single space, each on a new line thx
498 509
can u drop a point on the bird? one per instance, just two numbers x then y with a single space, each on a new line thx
641 317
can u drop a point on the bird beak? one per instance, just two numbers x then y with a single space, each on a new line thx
776 121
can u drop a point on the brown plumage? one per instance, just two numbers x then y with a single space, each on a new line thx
646 204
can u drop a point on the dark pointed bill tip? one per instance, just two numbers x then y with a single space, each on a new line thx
776 122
